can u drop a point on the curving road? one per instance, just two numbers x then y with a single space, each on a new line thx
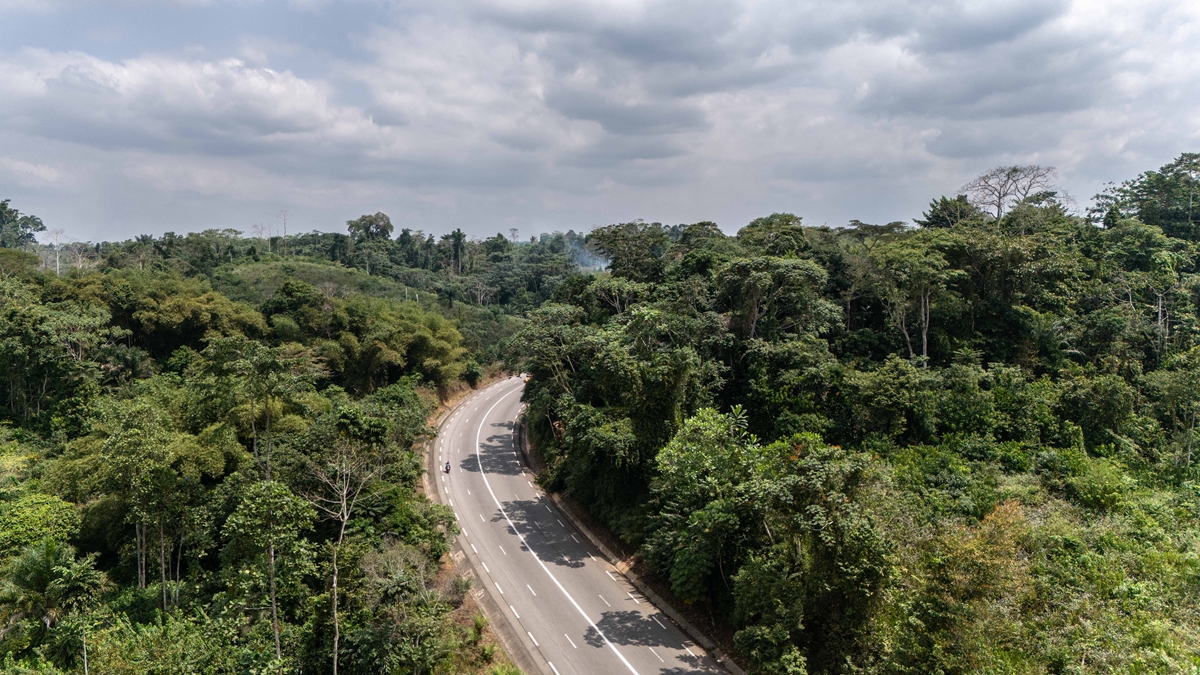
571 611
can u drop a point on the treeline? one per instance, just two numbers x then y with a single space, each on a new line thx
968 446
215 468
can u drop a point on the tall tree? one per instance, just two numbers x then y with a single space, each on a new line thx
17 230
997 190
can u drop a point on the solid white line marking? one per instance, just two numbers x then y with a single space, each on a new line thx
602 598
633 598
535 642
541 564
498 588
531 589
658 622
570 640
656 654
554 669
514 609
502 549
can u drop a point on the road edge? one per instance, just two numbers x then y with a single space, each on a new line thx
511 639
624 570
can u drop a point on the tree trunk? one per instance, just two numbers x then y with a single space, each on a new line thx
83 638
139 529
274 605
162 564
337 628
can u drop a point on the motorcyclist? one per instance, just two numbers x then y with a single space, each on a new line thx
447 467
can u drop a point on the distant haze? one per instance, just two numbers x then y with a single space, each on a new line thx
137 117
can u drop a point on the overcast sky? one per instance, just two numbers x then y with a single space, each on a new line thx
131 117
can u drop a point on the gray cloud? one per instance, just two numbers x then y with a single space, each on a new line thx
542 114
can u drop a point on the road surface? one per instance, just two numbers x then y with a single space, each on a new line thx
568 605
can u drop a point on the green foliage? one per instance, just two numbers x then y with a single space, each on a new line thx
34 517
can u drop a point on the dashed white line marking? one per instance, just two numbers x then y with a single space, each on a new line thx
610 576
498 588
464 531
548 508
658 622
481 518
474 549
560 523
576 540
485 568
685 648
478 433
656 654
591 556
514 610
633 598
451 502
531 589
535 642
468 492
602 598
530 483
502 549
570 640
553 668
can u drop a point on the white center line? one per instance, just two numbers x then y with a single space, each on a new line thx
602 598
531 589
656 654
570 640
541 564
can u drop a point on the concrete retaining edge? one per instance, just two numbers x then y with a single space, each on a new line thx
700 638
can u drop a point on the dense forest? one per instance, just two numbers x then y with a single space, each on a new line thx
961 445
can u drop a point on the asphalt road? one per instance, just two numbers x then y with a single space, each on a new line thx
562 598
